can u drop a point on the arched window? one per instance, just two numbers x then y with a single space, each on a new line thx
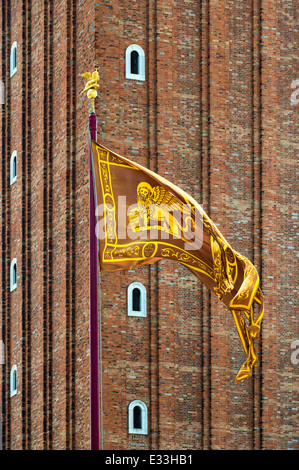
13 274
136 300
13 167
13 381
135 62
13 59
137 417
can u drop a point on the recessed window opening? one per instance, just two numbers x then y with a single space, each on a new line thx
134 62
13 59
13 381
13 274
136 300
137 417
13 167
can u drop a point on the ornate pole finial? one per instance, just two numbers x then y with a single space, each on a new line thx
91 87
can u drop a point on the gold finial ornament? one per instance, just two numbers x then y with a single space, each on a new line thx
91 86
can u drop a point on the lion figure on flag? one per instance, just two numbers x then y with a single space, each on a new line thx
157 209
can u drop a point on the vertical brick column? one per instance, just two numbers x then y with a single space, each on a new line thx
16 232
41 379
83 13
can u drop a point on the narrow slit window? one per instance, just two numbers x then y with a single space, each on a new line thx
137 419
14 58
14 380
14 167
136 299
134 62
14 274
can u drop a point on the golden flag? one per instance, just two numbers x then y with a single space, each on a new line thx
143 218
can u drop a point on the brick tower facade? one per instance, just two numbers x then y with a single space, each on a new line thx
214 112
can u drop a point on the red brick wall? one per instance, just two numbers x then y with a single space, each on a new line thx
45 321
214 106
214 115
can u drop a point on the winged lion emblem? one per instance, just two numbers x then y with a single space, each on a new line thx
158 209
